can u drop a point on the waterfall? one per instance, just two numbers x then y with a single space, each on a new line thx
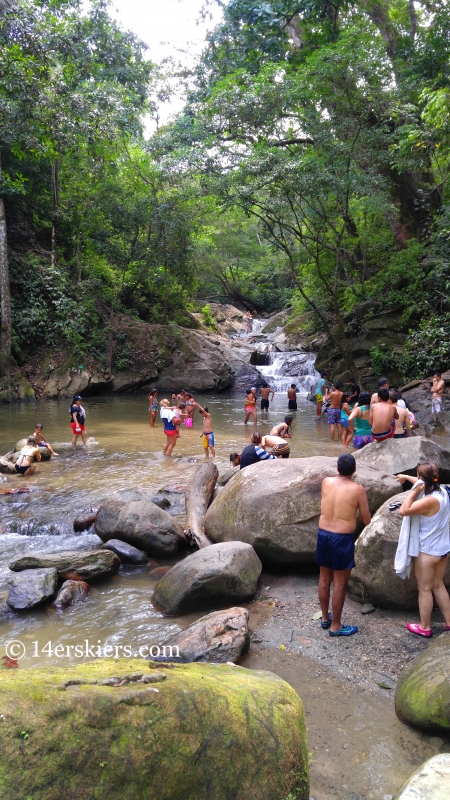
257 325
290 367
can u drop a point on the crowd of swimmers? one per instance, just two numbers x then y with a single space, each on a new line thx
359 418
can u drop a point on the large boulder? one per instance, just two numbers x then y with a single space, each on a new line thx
31 588
132 517
275 506
214 575
422 694
78 565
6 467
44 451
221 732
374 580
430 782
126 553
404 455
219 637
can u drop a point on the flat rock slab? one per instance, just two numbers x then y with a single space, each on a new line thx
374 580
422 695
132 517
72 564
214 575
430 782
126 553
99 730
219 637
403 455
31 588
71 593
275 506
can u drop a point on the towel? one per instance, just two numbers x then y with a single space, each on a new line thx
408 545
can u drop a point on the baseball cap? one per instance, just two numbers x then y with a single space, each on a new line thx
78 397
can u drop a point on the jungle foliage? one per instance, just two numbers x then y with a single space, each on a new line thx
309 167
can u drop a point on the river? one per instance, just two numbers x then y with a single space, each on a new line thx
123 452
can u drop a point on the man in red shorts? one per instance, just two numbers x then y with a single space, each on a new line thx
77 420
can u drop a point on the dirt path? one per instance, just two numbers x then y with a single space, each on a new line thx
359 748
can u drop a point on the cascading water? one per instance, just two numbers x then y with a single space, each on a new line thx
291 367
257 325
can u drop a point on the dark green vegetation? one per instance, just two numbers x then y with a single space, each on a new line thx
189 732
308 168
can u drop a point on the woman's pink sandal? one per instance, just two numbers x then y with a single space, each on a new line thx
415 628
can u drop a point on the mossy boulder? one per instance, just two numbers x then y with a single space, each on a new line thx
422 695
199 732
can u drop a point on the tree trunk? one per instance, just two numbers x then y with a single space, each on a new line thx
198 494
55 204
5 292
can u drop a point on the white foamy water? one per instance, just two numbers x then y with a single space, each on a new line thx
291 367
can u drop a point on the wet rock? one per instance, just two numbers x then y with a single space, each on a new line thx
226 476
159 571
373 580
161 502
275 506
422 695
126 553
368 608
430 782
31 588
220 731
214 575
132 517
70 593
87 566
83 521
404 455
6 467
220 637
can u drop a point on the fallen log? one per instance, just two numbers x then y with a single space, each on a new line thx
198 494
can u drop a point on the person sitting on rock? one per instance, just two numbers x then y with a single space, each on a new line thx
254 453
402 424
341 499
40 440
24 464
382 417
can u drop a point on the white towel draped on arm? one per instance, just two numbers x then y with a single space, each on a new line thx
408 545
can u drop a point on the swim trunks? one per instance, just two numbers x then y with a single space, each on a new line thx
403 435
335 550
282 449
436 405
361 441
170 433
319 398
264 405
21 470
249 408
380 437
334 416
74 426
292 405
344 422
208 440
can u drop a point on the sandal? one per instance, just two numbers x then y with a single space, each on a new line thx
346 630
325 625
415 628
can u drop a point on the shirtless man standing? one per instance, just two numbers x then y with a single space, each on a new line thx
207 432
383 383
382 417
265 391
402 424
24 464
334 412
341 499
437 393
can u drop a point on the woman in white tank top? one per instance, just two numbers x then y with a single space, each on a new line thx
434 544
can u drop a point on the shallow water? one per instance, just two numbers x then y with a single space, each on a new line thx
123 452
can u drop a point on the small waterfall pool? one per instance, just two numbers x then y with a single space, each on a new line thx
290 367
